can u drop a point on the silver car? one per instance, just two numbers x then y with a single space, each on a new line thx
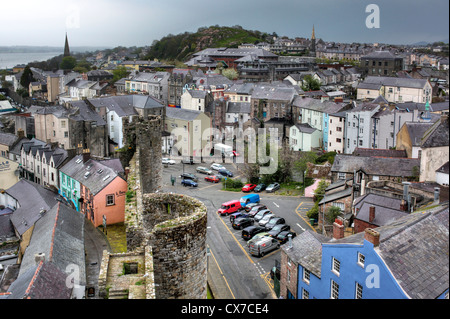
272 187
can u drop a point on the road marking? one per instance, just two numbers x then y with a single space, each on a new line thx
300 226
276 204
307 223
245 252
221 272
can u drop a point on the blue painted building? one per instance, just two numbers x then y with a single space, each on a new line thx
405 259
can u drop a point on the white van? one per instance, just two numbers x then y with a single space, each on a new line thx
263 246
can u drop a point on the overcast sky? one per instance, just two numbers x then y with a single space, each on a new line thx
138 22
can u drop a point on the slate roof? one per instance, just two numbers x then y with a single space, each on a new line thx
239 107
317 105
416 130
181 114
336 195
59 234
233 52
387 209
307 251
305 128
43 281
274 92
437 135
394 81
379 152
444 168
415 249
32 198
6 227
8 139
100 174
384 55
381 166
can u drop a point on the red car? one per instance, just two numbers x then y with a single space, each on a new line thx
248 187
212 178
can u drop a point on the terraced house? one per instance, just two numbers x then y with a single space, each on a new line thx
95 188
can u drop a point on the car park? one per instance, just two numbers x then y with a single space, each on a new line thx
277 229
251 231
204 170
248 187
261 214
212 179
274 221
248 199
259 188
263 246
266 219
272 188
242 222
188 182
249 206
230 207
189 176
217 167
283 237
167 160
257 237
225 172
255 209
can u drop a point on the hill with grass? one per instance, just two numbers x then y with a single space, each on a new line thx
180 47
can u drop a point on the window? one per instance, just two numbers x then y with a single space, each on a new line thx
341 175
340 205
361 259
360 143
336 266
66 134
334 290
305 294
110 200
338 140
306 275
359 290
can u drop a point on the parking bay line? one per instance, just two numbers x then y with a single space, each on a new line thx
309 224
221 272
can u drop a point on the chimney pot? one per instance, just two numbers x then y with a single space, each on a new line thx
338 229
39 257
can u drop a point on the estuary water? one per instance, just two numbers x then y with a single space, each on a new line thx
10 60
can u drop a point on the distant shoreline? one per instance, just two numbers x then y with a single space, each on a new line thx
45 49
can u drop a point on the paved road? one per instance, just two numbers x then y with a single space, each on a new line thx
242 276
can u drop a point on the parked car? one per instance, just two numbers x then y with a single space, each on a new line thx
167 160
263 246
261 214
237 215
248 187
219 176
242 222
257 237
188 182
229 207
204 170
256 209
251 231
212 178
249 206
284 236
217 167
250 198
189 176
225 172
273 187
259 188
277 229
266 219
274 221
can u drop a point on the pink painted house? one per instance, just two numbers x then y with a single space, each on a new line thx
101 188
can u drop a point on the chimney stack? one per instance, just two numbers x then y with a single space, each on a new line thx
86 155
372 236
338 229
371 214
20 133
437 192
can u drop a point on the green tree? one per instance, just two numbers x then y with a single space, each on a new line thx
332 213
230 73
300 165
26 78
68 63
310 83
119 73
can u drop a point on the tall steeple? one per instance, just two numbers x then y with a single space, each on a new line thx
66 47
313 43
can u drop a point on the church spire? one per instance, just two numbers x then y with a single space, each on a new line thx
313 34
66 47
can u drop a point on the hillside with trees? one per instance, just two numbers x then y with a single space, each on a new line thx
181 46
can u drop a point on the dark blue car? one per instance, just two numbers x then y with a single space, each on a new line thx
225 172
188 182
